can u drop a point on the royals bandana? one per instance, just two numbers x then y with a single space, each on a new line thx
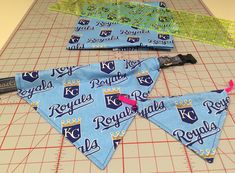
97 34
196 120
83 103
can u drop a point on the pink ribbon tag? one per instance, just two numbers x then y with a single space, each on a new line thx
231 86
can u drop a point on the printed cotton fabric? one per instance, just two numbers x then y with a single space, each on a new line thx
195 120
81 101
99 34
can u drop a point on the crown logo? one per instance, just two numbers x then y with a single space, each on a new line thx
34 104
117 135
70 123
143 73
112 91
185 104
72 83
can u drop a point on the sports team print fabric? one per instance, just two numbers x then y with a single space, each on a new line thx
195 120
81 101
96 34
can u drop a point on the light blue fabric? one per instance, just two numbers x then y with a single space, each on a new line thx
81 102
195 120
99 34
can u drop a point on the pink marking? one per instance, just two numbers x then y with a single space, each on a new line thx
231 86
123 98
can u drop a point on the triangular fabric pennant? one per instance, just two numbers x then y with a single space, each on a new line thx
195 120
81 101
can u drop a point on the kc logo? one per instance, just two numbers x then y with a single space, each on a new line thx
71 89
162 4
144 78
71 130
163 36
111 98
117 138
83 22
74 39
133 39
105 33
186 111
107 66
30 76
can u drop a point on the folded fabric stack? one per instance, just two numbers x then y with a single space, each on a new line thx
99 34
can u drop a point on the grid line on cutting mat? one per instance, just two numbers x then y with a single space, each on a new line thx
27 142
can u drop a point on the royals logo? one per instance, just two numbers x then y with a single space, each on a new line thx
144 78
35 105
71 130
105 33
62 71
111 98
89 147
133 39
196 135
163 36
74 39
83 21
107 66
106 122
133 32
84 28
42 87
104 23
30 76
59 110
101 40
186 111
216 107
75 47
162 4
117 138
156 107
133 64
112 80
71 89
